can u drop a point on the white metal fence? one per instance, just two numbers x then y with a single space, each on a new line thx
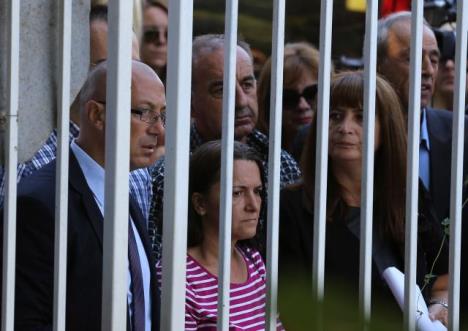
177 153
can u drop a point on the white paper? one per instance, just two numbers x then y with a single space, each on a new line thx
396 282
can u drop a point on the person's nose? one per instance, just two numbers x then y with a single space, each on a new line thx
241 97
253 201
161 39
428 68
156 128
450 64
346 125
303 104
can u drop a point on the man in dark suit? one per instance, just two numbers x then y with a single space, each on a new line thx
393 51
36 209
393 57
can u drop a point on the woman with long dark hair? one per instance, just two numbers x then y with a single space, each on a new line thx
248 283
345 154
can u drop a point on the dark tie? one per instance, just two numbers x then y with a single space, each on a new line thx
138 298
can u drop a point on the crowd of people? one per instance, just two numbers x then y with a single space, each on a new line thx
34 283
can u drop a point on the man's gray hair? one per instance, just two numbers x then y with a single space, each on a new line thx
384 27
209 43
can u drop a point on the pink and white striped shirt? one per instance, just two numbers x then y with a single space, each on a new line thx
247 304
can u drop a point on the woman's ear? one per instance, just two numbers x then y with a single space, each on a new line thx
199 204
96 114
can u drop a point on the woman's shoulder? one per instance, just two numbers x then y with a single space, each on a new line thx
253 258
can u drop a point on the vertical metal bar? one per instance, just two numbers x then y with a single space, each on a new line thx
11 152
177 164
412 181
367 181
274 162
318 266
227 140
457 166
115 262
61 189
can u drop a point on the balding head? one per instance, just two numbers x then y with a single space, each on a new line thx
147 103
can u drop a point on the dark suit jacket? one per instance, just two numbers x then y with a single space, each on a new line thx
35 253
439 125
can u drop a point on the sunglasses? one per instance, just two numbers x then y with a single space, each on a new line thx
154 35
291 97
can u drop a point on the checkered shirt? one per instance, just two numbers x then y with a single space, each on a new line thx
140 182
289 174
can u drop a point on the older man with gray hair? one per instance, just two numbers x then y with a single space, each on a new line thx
207 112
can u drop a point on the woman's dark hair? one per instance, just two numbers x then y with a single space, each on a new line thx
347 90
205 171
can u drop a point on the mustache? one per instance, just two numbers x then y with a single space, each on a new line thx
244 111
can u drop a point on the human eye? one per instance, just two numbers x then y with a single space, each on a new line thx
248 84
146 114
335 115
236 192
359 116
258 191
217 90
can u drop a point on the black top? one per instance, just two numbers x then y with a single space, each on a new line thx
342 249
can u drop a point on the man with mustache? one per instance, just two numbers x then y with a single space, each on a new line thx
206 110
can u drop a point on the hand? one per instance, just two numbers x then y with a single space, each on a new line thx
438 312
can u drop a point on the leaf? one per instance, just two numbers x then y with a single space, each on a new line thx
446 226
428 277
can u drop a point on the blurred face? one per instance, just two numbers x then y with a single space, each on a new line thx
154 42
246 201
98 43
148 103
298 98
446 77
346 134
207 95
396 66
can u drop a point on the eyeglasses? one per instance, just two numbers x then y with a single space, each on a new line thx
146 115
149 116
291 97
154 35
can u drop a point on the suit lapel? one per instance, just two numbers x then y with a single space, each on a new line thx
78 183
439 156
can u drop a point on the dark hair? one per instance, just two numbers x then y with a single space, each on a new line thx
347 89
156 3
98 13
205 171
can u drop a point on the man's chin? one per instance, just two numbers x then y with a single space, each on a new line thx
142 162
242 132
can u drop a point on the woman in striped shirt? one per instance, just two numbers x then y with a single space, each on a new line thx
248 284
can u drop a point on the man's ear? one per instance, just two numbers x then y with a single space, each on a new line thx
96 114
199 203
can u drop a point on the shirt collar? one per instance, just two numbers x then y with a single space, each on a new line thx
424 130
93 173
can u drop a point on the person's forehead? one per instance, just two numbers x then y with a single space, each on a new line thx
146 85
399 37
154 15
211 63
